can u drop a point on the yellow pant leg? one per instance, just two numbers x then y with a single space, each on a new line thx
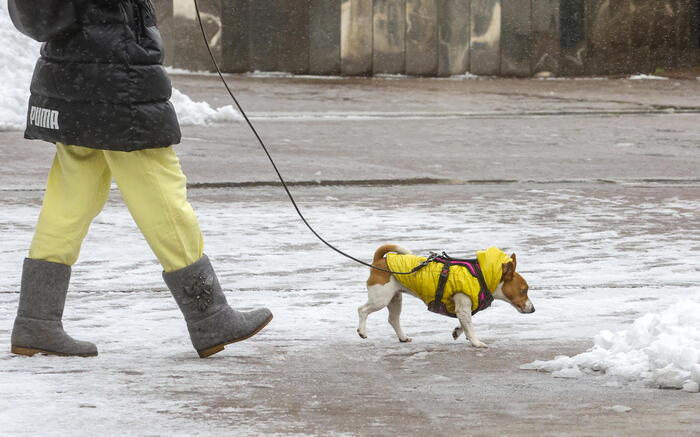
76 190
154 189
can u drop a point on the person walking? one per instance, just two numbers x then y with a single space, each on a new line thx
101 95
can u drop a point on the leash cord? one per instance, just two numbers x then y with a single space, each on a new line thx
269 157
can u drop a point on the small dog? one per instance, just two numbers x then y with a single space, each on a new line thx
385 290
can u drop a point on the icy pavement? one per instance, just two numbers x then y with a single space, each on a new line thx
596 258
599 199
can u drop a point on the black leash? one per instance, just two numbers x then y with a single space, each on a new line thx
279 175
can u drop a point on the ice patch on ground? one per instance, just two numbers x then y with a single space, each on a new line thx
618 408
557 248
18 55
660 350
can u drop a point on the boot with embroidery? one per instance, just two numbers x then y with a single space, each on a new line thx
38 327
211 322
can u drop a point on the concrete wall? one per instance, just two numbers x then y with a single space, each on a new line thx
434 37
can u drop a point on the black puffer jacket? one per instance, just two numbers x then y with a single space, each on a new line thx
99 81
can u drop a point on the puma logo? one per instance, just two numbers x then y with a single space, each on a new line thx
43 117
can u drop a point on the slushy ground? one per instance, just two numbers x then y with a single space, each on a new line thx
601 209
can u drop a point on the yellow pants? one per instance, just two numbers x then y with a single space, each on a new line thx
152 185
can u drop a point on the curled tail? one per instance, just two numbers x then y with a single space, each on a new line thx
386 248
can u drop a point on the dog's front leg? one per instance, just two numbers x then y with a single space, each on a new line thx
463 308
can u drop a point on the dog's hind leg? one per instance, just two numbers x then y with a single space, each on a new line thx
395 316
378 297
457 332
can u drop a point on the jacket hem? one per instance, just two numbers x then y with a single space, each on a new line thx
131 147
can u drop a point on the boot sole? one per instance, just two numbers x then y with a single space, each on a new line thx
218 348
30 352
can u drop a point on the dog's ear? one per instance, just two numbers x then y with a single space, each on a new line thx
515 263
508 270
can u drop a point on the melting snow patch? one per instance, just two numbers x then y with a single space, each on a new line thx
568 372
465 76
647 77
691 387
660 350
184 72
190 112
618 408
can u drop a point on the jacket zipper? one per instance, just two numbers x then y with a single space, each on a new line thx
140 23
137 20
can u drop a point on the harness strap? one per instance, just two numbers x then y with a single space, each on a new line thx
437 305
472 265
485 295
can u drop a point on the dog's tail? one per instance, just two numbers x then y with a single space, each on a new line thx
383 250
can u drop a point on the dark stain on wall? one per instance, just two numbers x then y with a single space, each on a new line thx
572 22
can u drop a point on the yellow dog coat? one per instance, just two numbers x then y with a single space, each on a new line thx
424 282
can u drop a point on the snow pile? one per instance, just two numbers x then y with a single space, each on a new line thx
190 112
18 55
661 350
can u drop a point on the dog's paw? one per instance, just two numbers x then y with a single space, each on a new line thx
362 335
456 332
406 340
477 343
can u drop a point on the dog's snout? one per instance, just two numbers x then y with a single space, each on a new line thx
528 308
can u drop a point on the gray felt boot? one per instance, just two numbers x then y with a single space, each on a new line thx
211 322
38 327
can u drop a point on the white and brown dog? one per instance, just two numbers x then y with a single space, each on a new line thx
385 290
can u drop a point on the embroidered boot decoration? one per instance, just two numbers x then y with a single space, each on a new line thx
201 291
